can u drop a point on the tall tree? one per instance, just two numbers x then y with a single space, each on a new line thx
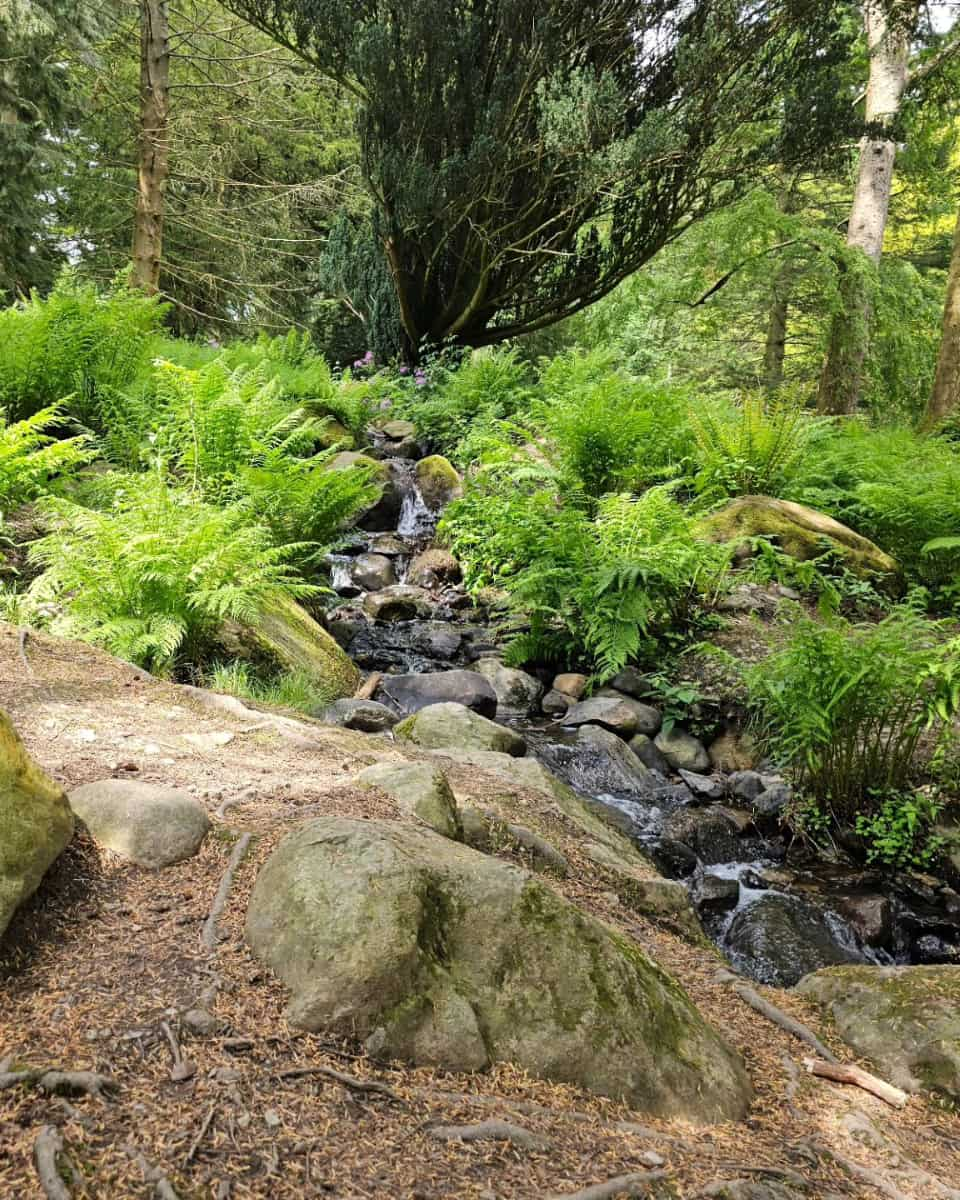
945 396
524 157
154 143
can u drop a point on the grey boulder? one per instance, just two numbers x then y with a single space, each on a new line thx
609 712
369 716
453 726
372 572
440 956
412 692
149 825
421 790
516 690
682 750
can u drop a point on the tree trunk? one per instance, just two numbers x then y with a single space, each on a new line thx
776 342
889 46
154 148
945 397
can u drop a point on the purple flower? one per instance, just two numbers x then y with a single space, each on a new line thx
358 362
403 370
368 357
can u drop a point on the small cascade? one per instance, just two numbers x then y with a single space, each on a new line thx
417 521
340 578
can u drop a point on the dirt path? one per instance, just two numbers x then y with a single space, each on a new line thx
106 956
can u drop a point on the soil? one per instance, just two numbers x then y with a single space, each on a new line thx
99 968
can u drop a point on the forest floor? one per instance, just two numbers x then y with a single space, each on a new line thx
99 968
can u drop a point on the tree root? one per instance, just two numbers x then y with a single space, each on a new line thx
881 1183
785 1022
162 1186
490 1131
47 1150
350 1082
68 1083
637 1184
209 934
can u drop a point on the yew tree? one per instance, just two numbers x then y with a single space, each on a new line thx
524 156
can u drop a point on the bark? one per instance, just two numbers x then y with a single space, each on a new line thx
945 397
776 342
889 46
154 145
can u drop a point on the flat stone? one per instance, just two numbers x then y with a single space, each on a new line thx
397 429
649 719
412 692
149 825
704 787
448 725
398 603
609 713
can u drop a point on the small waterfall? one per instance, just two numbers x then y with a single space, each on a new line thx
416 519
340 578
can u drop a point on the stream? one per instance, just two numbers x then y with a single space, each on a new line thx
775 909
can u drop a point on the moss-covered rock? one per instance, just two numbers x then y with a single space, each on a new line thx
449 725
146 824
438 481
419 789
286 637
906 1020
441 956
801 532
35 822
335 434
384 513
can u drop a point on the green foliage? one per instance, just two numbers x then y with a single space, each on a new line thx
756 446
898 832
293 689
895 487
154 578
844 706
76 343
30 456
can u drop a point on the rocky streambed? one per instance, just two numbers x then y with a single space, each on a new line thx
771 904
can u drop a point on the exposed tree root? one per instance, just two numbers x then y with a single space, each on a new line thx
787 1023
68 1083
47 1150
209 933
637 1184
163 1188
350 1082
202 1133
881 1183
490 1131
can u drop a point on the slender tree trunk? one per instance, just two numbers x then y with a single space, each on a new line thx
889 46
776 343
945 397
154 145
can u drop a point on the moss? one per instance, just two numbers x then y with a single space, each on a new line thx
405 729
439 912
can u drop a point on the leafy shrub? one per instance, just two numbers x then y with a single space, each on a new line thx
755 446
893 486
154 578
898 832
76 342
844 706
30 456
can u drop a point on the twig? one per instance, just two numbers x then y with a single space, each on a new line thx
46 1150
490 1131
62 1082
195 1144
777 1016
209 935
637 1184
841 1073
348 1081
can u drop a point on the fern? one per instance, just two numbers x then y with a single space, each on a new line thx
154 578
30 456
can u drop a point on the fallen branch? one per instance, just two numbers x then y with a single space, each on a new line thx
490 1131
46 1150
348 1081
195 1144
785 1022
69 1083
209 934
840 1073
637 1184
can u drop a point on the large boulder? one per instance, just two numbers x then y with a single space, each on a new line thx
438 481
433 568
286 637
148 825
682 750
609 712
779 938
448 725
410 693
441 956
35 822
384 513
516 690
599 762
906 1020
800 531
400 602
372 572
421 790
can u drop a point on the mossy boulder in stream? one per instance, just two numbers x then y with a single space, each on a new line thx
438 481
801 532
441 956
906 1020
286 637
384 513
35 822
